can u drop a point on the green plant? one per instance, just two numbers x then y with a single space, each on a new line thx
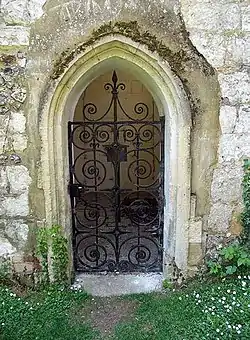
205 311
5 268
245 216
210 311
43 253
232 260
48 314
52 247
166 284
235 259
60 258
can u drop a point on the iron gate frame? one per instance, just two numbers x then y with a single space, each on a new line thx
77 189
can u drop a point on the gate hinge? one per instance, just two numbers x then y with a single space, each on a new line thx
74 190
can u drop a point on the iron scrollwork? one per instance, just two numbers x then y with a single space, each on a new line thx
116 186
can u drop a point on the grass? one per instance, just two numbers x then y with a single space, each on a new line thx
211 311
42 316
215 311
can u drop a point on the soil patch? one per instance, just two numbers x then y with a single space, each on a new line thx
105 313
15 287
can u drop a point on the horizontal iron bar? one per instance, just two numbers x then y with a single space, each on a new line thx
151 189
131 122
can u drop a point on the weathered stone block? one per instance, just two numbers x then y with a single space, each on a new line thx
235 226
243 120
216 16
15 206
219 217
237 50
212 46
17 122
14 11
21 11
19 95
195 254
24 267
35 8
5 247
3 124
3 182
19 179
193 205
246 50
245 18
235 87
19 142
17 231
226 185
234 147
3 159
14 35
3 99
195 231
228 115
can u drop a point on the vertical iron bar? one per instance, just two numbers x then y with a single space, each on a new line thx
95 188
72 199
138 187
117 166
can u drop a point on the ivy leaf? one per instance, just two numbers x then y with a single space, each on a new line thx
241 261
231 270
228 252
246 164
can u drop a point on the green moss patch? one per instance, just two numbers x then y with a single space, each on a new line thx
133 31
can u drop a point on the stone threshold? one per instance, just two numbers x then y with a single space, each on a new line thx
118 284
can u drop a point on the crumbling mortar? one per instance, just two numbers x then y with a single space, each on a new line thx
237 117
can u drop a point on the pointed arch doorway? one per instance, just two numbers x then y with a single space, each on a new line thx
116 159
62 105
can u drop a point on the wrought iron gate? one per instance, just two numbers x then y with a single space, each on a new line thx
116 187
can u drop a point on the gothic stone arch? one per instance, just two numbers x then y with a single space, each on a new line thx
189 102
171 101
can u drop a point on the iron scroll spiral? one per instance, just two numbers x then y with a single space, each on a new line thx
93 254
89 172
89 111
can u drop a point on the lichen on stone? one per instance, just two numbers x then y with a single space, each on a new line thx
132 30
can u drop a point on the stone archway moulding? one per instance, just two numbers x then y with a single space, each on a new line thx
166 89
